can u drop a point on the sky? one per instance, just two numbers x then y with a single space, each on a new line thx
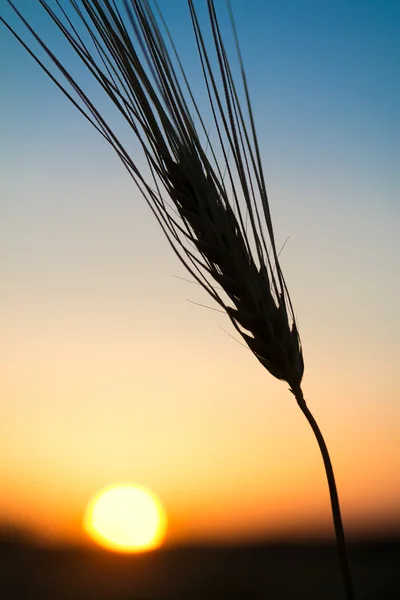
111 373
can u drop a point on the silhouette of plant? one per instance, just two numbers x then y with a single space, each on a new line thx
219 222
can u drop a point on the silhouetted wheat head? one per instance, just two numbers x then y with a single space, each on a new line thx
222 238
207 192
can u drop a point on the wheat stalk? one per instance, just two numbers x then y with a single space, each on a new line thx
219 226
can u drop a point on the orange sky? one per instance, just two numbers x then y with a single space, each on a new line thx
222 443
109 374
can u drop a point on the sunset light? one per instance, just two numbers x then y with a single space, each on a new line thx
126 518
152 224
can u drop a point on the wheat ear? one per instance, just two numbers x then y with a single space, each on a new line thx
219 224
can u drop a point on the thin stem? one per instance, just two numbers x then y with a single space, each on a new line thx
337 518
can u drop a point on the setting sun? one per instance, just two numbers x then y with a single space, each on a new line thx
126 517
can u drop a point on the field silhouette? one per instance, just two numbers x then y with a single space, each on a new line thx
280 571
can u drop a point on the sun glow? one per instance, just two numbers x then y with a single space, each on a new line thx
127 518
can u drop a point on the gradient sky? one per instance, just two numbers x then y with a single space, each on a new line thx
110 374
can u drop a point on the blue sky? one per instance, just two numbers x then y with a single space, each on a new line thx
98 333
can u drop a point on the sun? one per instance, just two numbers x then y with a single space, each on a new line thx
126 517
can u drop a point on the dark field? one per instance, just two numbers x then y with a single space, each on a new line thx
259 572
